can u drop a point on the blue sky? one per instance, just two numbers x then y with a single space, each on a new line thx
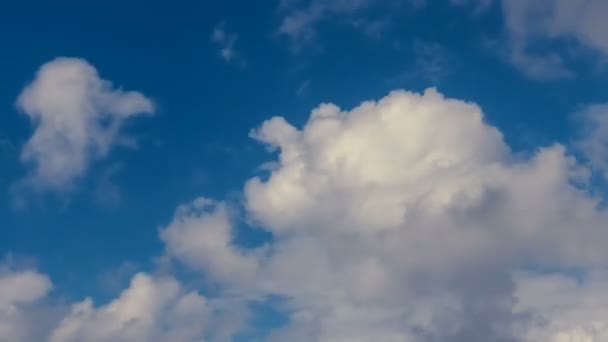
203 77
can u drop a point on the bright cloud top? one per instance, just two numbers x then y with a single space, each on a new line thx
77 118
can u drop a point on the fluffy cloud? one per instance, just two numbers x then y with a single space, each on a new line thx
77 118
151 309
405 219
200 235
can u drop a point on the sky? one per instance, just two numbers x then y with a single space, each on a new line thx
304 170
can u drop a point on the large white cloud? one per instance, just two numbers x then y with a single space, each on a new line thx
405 219
77 118
210 249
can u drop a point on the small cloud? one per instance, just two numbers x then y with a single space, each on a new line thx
225 41
77 118
432 62
107 193
303 88
301 18
116 278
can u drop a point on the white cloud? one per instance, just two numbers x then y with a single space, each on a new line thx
200 235
403 219
225 41
151 309
77 118
399 220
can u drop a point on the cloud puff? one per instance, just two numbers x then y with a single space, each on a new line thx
200 235
151 309
403 219
77 118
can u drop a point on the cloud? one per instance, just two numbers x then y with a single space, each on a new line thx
106 192
593 142
20 291
200 235
151 309
300 18
403 219
532 24
433 63
571 309
77 119
225 41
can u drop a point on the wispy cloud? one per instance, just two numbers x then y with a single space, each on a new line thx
536 30
301 18
225 42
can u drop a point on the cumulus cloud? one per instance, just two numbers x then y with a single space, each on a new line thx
151 309
403 219
77 118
